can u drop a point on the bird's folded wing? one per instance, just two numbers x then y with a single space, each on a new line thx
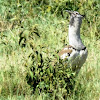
65 52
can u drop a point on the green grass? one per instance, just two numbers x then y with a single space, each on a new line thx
31 34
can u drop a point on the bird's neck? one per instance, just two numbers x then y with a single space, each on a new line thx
74 36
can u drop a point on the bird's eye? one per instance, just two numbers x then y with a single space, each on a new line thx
76 13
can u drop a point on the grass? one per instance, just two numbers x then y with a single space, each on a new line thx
31 34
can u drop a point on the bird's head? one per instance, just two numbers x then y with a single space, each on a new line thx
75 14
75 17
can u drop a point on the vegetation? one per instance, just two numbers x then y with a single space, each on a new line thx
31 34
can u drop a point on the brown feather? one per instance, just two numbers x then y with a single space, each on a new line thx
69 51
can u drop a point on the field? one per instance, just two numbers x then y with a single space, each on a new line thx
32 32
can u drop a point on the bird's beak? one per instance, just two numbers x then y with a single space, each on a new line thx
83 16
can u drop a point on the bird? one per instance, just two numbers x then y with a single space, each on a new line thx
75 53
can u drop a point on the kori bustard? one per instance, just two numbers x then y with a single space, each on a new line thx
75 53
